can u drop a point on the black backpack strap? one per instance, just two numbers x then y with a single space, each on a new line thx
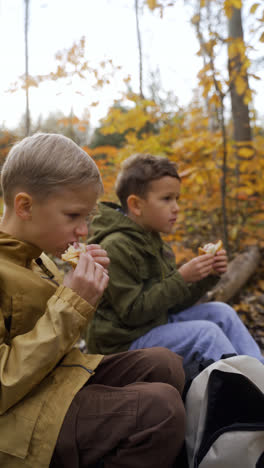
260 462
195 368
191 371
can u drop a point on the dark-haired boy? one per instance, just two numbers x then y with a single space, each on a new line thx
148 301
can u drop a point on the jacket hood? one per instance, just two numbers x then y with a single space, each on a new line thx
110 218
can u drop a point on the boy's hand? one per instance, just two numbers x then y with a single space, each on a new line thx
99 255
220 262
88 280
197 268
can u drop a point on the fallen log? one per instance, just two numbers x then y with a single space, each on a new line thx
240 269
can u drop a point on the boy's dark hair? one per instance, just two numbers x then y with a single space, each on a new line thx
138 171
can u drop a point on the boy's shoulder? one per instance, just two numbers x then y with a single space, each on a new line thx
120 239
124 244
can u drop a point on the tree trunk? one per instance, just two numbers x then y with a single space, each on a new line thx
238 273
240 111
140 52
27 117
239 86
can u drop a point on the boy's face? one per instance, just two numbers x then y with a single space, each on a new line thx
159 210
61 219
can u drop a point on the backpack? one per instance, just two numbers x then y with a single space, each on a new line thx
225 415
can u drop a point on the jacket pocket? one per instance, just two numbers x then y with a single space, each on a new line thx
17 426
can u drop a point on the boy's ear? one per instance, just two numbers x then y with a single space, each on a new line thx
23 205
134 204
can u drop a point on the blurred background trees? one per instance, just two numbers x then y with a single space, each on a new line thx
216 139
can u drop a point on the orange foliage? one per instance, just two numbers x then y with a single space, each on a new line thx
7 139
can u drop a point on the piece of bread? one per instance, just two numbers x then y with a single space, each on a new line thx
210 248
72 254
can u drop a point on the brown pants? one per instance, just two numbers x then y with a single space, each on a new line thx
130 414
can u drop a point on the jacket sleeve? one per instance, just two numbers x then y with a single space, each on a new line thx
135 298
29 358
197 290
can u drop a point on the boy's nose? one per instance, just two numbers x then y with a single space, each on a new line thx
82 230
175 207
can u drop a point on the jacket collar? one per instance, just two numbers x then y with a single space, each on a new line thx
110 219
21 253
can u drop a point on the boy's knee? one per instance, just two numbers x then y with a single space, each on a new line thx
225 312
165 366
209 332
160 405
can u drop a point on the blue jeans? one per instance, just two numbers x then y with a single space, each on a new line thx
204 331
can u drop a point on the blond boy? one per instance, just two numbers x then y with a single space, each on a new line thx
59 407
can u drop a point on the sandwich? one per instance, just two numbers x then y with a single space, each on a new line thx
72 254
210 248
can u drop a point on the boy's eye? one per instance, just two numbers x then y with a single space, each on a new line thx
74 216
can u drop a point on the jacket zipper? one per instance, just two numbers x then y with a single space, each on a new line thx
43 267
78 365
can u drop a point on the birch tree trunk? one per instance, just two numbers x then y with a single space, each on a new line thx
27 116
139 52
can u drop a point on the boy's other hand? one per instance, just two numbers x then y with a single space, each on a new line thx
88 280
197 268
220 262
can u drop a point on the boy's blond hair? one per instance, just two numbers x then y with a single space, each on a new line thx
45 163
138 171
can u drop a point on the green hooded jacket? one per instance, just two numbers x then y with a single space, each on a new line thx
144 285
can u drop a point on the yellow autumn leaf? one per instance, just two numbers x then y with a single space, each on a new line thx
262 37
236 4
254 7
152 4
195 19
241 46
244 143
240 85
248 97
245 152
246 64
227 10
232 50
199 179
233 233
244 166
229 5
249 190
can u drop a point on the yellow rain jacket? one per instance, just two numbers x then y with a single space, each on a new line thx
40 369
